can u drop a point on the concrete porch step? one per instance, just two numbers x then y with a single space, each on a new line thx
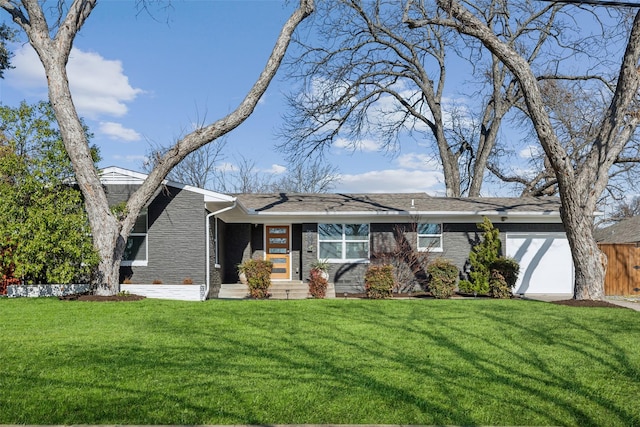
294 289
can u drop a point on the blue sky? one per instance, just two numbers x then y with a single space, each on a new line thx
140 82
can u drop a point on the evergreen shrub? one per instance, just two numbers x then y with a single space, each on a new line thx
504 274
481 257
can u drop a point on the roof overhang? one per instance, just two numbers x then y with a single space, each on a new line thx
241 214
114 175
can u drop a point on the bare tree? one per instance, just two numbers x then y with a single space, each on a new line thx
370 75
308 177
580 185
53 43
626 209
574 107
243 177
301 177
409 263
200 168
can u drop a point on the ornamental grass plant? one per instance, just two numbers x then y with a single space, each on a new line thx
354 361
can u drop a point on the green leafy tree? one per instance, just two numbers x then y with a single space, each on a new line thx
6 35
44 229
481 257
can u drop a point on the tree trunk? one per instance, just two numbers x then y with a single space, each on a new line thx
589 262
577 195
110 246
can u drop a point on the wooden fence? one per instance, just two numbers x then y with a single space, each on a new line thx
623 269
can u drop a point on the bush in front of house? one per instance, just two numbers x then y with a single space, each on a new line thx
317 283
443 275
504 274
481 257
379 282
258 274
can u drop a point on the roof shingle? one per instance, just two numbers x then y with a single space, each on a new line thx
391 202
626 231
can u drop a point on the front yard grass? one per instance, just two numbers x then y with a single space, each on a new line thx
446 362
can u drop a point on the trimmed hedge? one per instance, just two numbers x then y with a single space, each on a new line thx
443 275
258 274
504 274
379 282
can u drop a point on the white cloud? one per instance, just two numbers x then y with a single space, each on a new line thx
226 167
117 131
413 172
366 145
418 161
530 151
392 181
131 158
98 85
28 72
276 169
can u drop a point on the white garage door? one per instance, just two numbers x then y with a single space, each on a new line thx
545 261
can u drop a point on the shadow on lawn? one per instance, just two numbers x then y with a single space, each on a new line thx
441 393
423 364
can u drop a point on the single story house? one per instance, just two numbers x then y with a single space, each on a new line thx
621 243
191 232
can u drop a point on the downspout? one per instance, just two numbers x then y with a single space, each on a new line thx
208 251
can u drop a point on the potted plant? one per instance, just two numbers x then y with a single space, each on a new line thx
242 273
322 266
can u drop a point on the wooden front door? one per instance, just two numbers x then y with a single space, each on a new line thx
278 247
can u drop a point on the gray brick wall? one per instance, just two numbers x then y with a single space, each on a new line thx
176 236
458 240
235 247
257 241
219 273
347 278
309 249
296 252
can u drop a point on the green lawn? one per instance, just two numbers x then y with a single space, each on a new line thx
463 362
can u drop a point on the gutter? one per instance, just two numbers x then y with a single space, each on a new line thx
208 250
254 212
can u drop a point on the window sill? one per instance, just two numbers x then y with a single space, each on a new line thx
133 263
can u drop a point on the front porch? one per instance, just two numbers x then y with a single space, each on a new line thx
280 289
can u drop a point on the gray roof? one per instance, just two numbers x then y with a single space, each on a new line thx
625 231
391 202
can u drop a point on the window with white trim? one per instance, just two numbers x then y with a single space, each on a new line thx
135 252
429 237
343 242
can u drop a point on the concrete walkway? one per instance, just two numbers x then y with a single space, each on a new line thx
629 302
